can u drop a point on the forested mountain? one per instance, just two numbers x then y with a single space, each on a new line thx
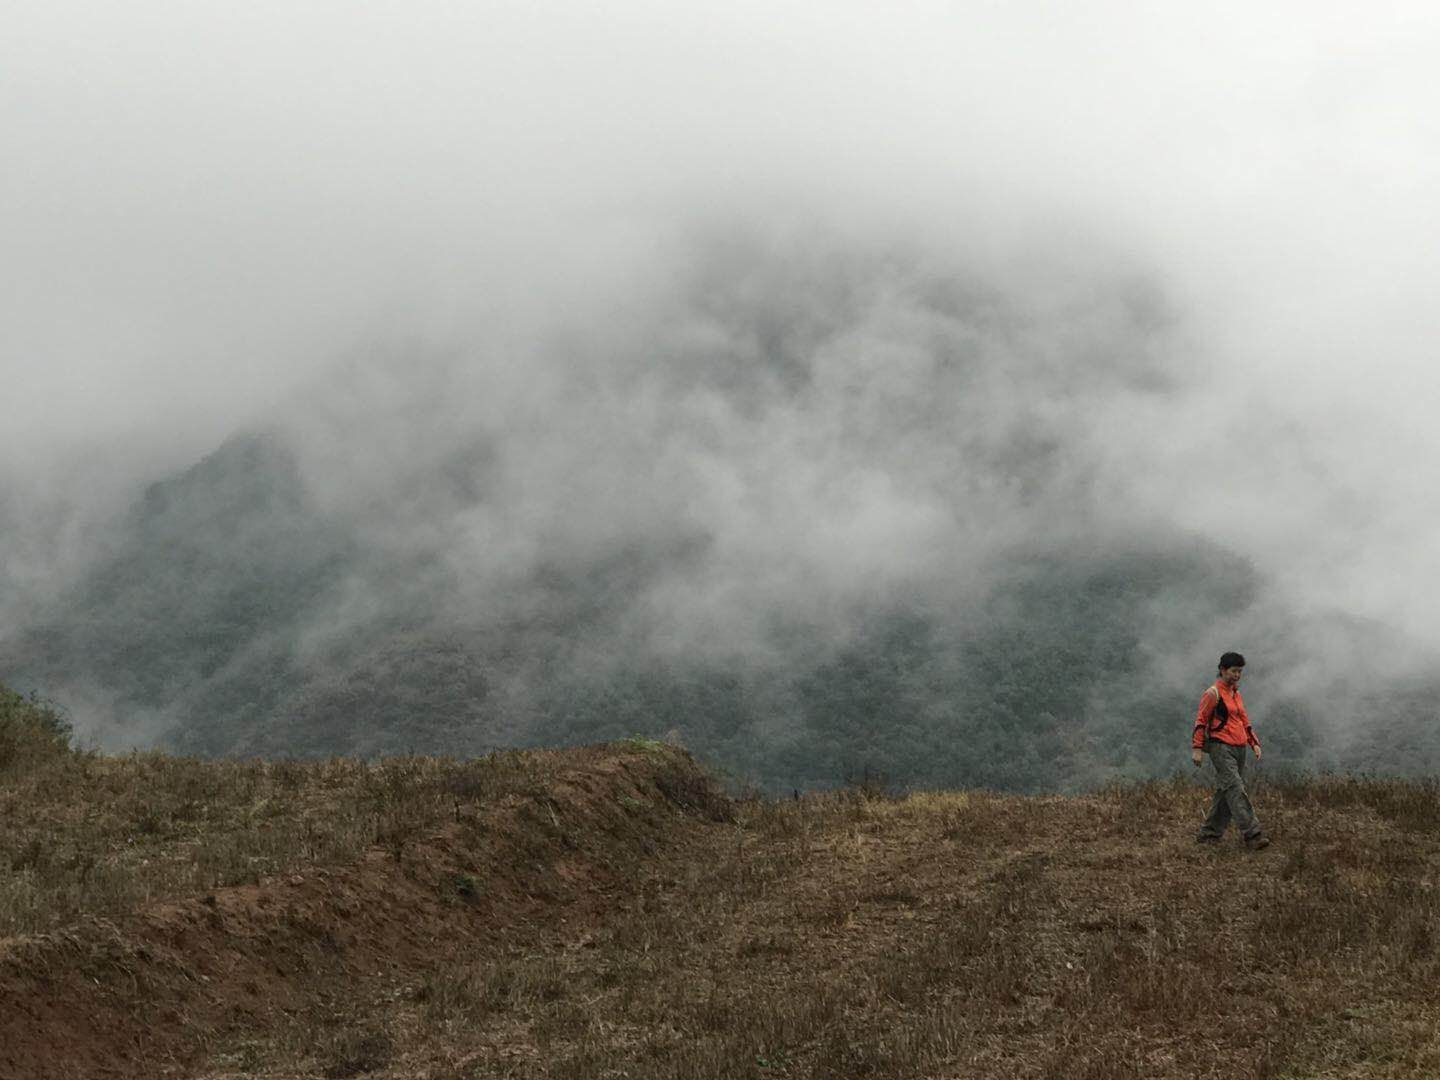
201 622
817 512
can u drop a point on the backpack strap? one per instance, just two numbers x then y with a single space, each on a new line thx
1212 725
1221 711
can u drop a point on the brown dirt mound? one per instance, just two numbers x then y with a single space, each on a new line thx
143 996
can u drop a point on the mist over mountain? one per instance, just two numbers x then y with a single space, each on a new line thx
937 389
814 507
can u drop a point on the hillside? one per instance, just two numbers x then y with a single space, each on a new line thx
824 505
606 912
222 619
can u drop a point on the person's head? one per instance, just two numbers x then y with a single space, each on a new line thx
1231 665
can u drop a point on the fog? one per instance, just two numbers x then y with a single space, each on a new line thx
524 232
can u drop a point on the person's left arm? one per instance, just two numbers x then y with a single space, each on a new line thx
1250 736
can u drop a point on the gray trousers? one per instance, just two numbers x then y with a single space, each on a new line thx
1230 802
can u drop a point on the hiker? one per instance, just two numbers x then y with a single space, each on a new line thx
1223 733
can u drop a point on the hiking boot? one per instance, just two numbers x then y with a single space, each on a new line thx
1207 838
1257 842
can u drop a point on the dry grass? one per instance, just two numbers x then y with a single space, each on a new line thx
843 935
969 934
102 836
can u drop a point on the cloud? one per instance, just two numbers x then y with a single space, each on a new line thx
213 210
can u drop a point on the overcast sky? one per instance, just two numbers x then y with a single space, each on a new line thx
205 206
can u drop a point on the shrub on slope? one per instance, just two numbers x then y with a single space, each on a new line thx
29 729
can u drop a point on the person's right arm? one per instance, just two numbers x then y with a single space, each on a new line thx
1202 721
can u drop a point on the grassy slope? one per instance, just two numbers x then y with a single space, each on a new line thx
604 913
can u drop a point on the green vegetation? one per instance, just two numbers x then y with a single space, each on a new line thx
31 731
225 622
639 742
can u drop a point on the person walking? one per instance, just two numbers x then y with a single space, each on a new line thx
1223 733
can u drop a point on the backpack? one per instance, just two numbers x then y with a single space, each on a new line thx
1219 718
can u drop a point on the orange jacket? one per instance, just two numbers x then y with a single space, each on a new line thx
1236 730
